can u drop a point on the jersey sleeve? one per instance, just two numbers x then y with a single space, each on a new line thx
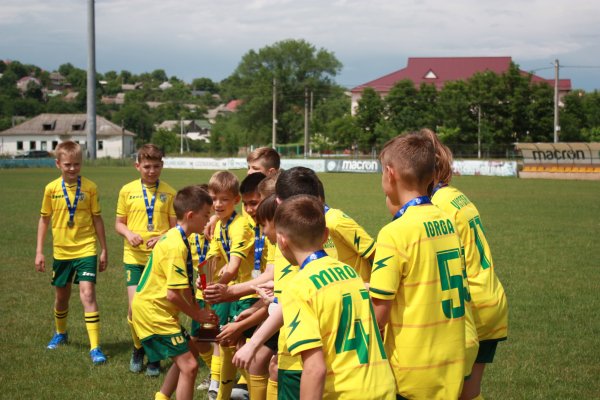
388 266
122 203
175 263
95 200
355 236
300 322
242 239
215 244
46 210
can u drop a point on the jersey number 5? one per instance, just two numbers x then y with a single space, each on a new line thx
450 282
360 341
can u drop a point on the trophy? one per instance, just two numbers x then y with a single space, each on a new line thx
206 270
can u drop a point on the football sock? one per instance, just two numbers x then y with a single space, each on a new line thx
207 358
92 324
215 370
228 372
479 397
242 380
271 390
136 340
60 320
160 396
257 387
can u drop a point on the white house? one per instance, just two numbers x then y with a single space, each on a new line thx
46 131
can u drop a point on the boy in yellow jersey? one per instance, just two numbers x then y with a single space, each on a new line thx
233 241
355 247
166 289
71 205
490 309
418 282
144 213
327 312
265 160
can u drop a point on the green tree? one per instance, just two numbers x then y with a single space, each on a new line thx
167 141
403 107
136 118
369 113
205 84
296 65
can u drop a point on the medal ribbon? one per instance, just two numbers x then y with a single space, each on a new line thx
314 256
188 263
259 245
73 207
326 207
225 241
438 187
150 206
201 260
417 201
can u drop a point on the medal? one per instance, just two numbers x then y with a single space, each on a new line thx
259 245
150 205
72 207
255 273
150 227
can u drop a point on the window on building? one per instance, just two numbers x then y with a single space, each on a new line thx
100 145
54 144
19 145
48 126
78 126
43 145
32 145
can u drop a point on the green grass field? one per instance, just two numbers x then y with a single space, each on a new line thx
544 237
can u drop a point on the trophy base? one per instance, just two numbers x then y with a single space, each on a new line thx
208 333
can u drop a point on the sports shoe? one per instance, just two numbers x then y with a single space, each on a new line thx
97 356
58 339
153 369
212 395
204 384
240 392
136 363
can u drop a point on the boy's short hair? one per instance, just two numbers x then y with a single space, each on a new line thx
412 157
443 157
68 148
301 219
266 187
190 198
149 152
269 158
266 210
224 181
321 190
297 180
203 186
250 183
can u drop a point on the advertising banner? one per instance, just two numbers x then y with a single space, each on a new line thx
358 166
484 167
560 153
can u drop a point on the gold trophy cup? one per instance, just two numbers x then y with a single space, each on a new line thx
208 332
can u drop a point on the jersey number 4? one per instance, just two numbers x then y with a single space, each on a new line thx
360 342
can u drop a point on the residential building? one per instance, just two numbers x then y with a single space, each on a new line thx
46 131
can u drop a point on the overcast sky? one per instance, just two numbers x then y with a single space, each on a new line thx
200 38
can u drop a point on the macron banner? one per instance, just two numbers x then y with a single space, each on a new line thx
560 153
359 166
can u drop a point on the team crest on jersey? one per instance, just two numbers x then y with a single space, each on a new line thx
163 197
81 196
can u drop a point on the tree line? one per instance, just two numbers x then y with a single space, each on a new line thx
500 108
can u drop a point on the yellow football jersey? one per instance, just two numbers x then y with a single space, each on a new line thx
329 307
354 245
131 205
238 237
80 240
419 267
490 309
166 269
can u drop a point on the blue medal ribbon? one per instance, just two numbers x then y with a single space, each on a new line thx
438 187
326 207
224 231
314 256
188 263
259 245
73 207
417 201
150 206
201 252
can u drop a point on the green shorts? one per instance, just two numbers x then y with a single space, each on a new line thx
487 351
196 324
241 305
161 347
222 310
288 384
74 271
133 273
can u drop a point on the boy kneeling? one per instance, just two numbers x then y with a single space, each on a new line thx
327 313
166 289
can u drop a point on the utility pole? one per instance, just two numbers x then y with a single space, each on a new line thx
274 134
305 122
181 135
91 84
479 131
556 122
